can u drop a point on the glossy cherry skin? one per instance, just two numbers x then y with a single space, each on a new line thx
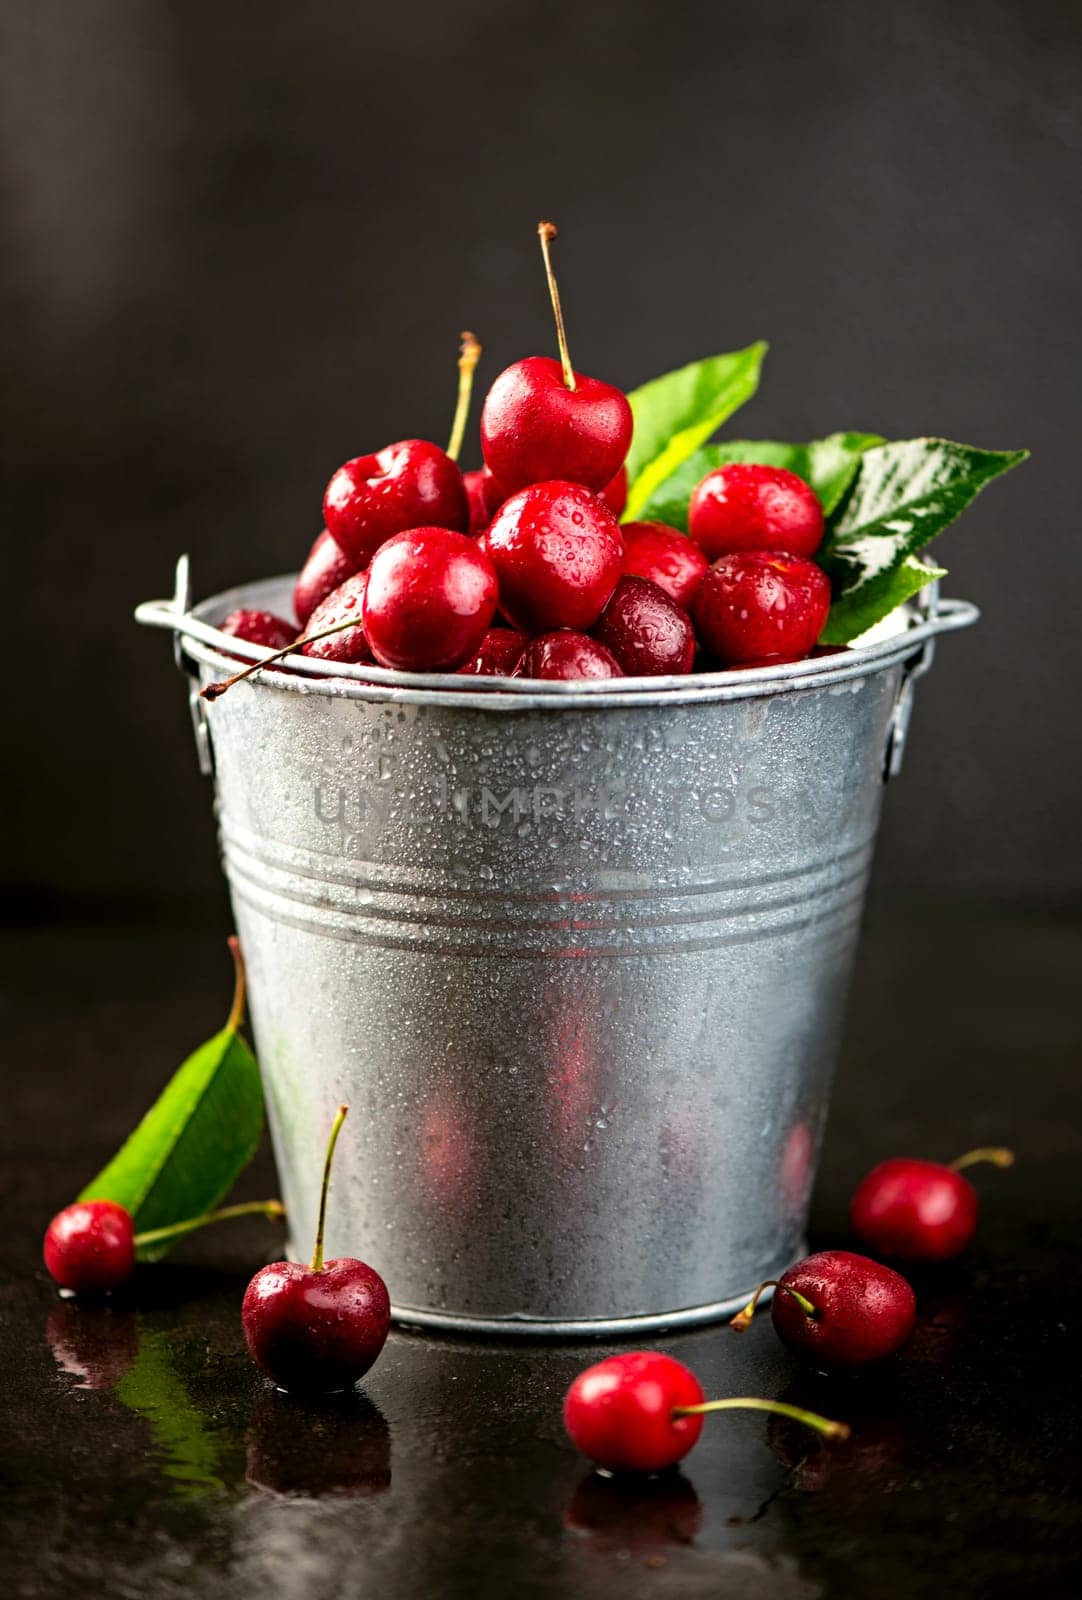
614 493
864 1311
260 627
557 552
915 1210
666 556
759 607
326 568
352 643
316 1332
411 484
485 497
535 429
744 506
619 1413
497 655
647 632
567 655
430 600
90 1246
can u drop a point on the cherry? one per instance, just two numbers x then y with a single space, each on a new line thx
647 632
316 1329
347 644
920 1210
666 556
565 654
498 654
480 515
838 1308
411 484
259 627
614 493
557 553
326 568
430 599
90 1246
757 606
747 506
643 1411
542 420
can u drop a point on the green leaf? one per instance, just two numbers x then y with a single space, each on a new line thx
677 413
195 1140
829 465
905 494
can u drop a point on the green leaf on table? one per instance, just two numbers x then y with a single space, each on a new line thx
829 465
195 1140
904 495
678 412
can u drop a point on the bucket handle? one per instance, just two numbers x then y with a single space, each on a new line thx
171 614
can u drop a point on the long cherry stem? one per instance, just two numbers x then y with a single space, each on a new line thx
546 232
469 356
250 1208
997 1155
317 1253
236 1010
213 690
810 1419
742 1318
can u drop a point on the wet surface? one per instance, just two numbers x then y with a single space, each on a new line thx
144 1455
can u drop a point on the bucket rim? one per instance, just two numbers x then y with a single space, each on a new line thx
200 641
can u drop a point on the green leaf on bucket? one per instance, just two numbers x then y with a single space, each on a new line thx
195 1140
829 465
678 412
904 495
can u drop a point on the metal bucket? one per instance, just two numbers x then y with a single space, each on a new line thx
576 956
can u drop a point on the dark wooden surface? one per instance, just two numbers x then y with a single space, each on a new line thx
146 1458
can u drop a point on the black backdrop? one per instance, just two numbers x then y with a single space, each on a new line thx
239 242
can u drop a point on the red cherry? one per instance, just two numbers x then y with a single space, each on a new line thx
260 627
408 485
760 607
316 1329
498 654
666 556
430 600
326 568
629 1412
534 428
557 553
567 655
542 420
839 1309
351 644
919 1210
745 506
614 493
647 632
90 1246
619 1413
485 496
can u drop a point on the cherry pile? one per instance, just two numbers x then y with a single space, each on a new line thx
522 568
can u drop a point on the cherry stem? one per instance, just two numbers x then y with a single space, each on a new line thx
236 1010
810 1419
469 356
742 1318
996 1154
213 690
317 1253
546 232
251 1208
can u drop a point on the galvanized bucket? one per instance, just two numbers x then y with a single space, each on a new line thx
575 954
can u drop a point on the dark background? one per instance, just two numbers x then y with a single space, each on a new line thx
240 244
